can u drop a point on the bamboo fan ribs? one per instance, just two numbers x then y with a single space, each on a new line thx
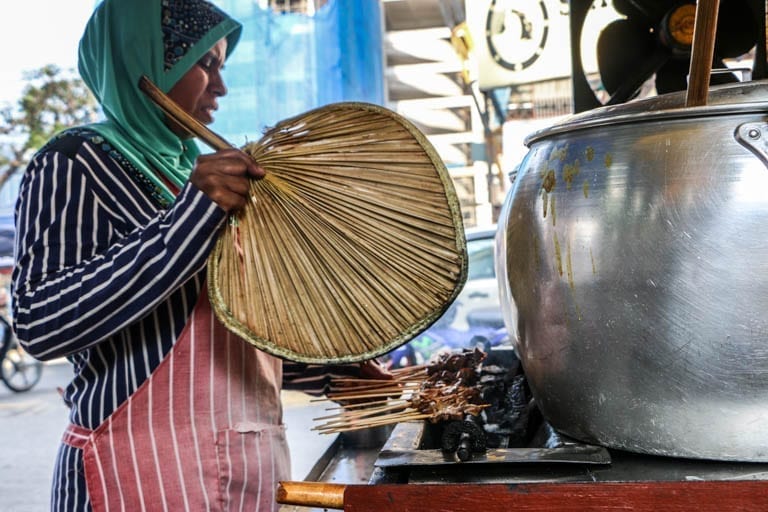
351 244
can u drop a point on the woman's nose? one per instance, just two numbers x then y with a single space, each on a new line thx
216 84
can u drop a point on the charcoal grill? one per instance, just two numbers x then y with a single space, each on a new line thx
409 470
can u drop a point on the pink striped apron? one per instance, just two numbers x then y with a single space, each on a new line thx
203 432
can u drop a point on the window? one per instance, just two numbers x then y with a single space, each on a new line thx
481 264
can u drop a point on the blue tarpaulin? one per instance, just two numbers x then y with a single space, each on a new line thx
288 63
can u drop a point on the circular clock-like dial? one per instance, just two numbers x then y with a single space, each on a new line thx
516 32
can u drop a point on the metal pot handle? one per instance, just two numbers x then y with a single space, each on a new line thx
754 137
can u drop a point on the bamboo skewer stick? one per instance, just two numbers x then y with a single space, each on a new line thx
345 422
359 396
397 389
363 413
372 424
346 381
372 403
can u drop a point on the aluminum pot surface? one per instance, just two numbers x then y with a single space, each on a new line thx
632 256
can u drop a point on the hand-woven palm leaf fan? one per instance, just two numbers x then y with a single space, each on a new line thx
351 245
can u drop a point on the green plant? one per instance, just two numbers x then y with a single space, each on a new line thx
52 100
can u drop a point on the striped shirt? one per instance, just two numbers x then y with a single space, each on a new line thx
107 276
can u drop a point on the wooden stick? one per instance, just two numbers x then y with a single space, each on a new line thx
394 388
371 424
702 53
311 494
403 386
365 413
358 380
358 396
358 406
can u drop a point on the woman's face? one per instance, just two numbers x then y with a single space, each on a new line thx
197 90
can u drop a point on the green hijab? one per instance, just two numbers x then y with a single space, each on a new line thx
161 39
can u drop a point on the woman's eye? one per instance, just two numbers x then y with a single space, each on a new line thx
210 63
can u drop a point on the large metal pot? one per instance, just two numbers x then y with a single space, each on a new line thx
633 267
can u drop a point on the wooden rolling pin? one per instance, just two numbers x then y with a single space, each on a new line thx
311 494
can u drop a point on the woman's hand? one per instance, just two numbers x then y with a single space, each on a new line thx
372 369
225 177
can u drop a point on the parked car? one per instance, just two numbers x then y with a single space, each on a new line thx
473 319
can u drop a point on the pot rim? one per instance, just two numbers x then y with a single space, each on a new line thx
723 101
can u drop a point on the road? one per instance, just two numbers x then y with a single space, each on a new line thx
32 423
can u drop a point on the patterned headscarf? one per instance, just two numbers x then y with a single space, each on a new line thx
161 39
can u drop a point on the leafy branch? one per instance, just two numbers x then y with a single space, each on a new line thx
51 101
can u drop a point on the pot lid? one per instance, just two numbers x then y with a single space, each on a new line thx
726 99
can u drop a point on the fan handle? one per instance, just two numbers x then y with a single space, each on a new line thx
175 112
702 52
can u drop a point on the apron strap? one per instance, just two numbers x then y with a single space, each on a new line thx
76 436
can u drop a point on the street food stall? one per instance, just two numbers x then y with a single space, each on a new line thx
525 464
631 261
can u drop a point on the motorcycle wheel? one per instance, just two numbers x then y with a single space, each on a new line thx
20 371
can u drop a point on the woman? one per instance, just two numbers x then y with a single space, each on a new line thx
169 411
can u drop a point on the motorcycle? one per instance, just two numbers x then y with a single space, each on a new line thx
18 370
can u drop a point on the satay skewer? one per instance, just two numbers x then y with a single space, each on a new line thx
445 390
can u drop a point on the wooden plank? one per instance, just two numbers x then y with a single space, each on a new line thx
546 497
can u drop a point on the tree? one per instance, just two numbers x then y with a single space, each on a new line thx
51 101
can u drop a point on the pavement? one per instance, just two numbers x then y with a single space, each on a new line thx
31 424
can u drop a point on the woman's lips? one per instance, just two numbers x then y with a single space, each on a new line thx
207 113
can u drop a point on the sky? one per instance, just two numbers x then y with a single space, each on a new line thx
36 33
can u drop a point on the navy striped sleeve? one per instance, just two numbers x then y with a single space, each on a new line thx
93 255
315 379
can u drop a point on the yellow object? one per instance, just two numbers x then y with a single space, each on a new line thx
461 40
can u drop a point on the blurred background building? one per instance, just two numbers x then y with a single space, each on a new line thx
402 54
476 76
